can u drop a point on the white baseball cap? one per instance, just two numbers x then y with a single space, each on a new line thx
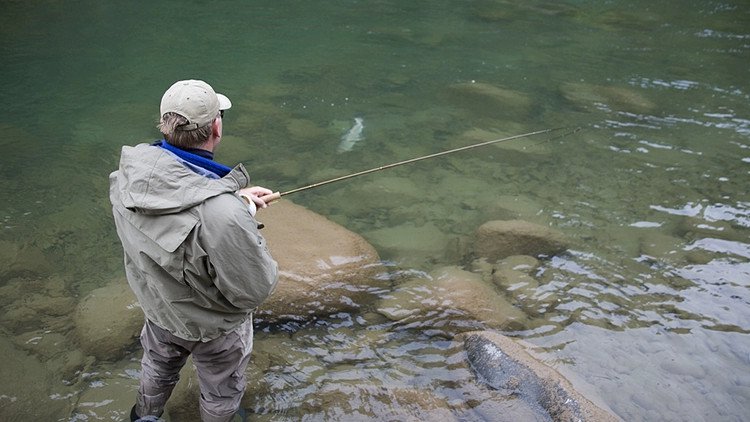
194 100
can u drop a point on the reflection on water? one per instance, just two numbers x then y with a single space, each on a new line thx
648 307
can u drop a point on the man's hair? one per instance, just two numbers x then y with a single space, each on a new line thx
169 127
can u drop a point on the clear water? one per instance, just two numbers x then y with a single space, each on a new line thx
648 310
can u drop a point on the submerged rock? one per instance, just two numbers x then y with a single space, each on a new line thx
515 206
691 228
515 272
452 290
108 321
413 245
500 239
23 260
490 100
587 96
504 365
34 304
324 268
56 350
661 245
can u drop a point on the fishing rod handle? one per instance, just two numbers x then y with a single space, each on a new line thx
271 197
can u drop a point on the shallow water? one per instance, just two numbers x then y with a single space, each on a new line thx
649 307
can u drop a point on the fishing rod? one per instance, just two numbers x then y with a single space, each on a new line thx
276 195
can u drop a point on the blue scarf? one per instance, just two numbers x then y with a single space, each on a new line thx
217 168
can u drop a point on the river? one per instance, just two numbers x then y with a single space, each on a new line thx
649 307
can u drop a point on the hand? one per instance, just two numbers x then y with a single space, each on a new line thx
257 195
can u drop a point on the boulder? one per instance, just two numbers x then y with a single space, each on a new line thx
515 273
452 289
410 245
698 227
56 350
108 321
23 259
490 100
589 97
500 239
324 268
516 206
661 245
35 304
504 365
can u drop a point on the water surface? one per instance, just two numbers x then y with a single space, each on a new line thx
649 307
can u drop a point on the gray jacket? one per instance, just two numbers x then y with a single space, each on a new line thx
193 253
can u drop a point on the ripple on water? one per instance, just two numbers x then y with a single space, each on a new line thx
369 373
720 294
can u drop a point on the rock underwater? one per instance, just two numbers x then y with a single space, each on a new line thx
108 321
503 238
451 293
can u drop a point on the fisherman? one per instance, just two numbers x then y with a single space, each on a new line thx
193 254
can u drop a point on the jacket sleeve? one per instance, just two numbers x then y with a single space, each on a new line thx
245 272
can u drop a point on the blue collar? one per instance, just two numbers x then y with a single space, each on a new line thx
219 169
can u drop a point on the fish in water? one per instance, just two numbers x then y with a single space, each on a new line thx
352 136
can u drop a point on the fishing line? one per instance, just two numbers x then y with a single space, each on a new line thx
276 195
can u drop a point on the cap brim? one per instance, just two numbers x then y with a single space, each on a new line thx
224 102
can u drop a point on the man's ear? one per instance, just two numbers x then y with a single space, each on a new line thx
216 128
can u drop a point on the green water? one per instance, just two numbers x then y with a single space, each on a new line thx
649 307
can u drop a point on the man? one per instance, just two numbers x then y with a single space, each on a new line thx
193 254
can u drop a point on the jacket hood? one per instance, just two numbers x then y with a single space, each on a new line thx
152 180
